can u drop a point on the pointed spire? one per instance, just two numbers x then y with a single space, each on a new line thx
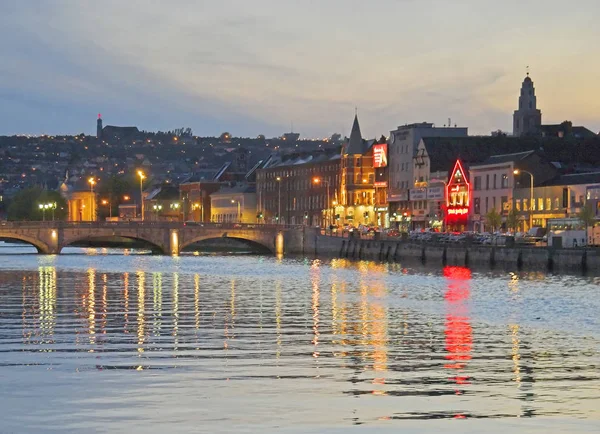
355 144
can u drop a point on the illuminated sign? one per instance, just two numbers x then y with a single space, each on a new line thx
418 194
380 155
458 197
435 193
380 184
458 211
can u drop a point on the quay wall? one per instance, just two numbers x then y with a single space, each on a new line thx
517 257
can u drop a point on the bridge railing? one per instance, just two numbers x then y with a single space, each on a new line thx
137 224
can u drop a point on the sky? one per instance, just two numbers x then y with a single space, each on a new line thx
256 67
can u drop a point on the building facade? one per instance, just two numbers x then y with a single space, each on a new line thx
234 205
300 188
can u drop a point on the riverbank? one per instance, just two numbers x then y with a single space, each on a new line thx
527 257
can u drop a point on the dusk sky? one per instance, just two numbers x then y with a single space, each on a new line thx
253 67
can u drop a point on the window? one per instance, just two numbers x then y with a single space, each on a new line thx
548 204
495 176
494 199
525 205
540 204
487 203
556 203
518 204
487 182
477 205
504 181
477 183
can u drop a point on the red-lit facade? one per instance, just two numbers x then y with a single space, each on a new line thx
458 198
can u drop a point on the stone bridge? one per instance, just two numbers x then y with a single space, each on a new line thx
163 237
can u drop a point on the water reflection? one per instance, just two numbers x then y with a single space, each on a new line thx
441 344
458 331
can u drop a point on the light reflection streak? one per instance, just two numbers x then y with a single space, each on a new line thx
315 277
141 332
459 334
278 320
197 301
175 311
91 307
157 303
104 304
126 297
47 301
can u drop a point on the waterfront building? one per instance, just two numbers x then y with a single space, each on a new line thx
493 183
562 197
357 194
81 200
300 188
235 204
527 119
405 158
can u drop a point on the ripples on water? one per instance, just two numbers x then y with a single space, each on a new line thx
229 343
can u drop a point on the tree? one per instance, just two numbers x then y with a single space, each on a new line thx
587 215
512 220
25 205
114 189
493 219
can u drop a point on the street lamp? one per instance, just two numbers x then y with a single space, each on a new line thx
517 172
47 206
238 209
328 215
175 207
92 182
157 208
142 176
109 203
278 179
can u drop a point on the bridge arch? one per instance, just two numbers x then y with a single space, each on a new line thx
113 238
39 245
250 241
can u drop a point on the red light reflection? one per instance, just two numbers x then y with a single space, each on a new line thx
458 331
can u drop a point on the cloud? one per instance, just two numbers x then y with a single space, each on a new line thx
253 67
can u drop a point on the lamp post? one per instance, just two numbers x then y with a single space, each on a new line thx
238 209
92 182
517 172
175 207
109 203
328 215
141 175
157 209
43 209
278 179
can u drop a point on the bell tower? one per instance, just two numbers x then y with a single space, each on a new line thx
527 120
99 127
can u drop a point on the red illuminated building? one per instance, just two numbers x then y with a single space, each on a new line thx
458 199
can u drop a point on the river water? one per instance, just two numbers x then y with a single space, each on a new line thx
101 341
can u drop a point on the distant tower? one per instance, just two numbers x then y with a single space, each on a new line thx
527 119
99 127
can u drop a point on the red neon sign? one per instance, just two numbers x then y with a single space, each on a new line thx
380 155
458 196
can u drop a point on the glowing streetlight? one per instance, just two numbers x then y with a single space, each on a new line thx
278 179
238 208
109 203
92 182
517 172
319 181
142 176
157 208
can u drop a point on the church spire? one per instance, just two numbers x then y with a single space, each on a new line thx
527 119
355 144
